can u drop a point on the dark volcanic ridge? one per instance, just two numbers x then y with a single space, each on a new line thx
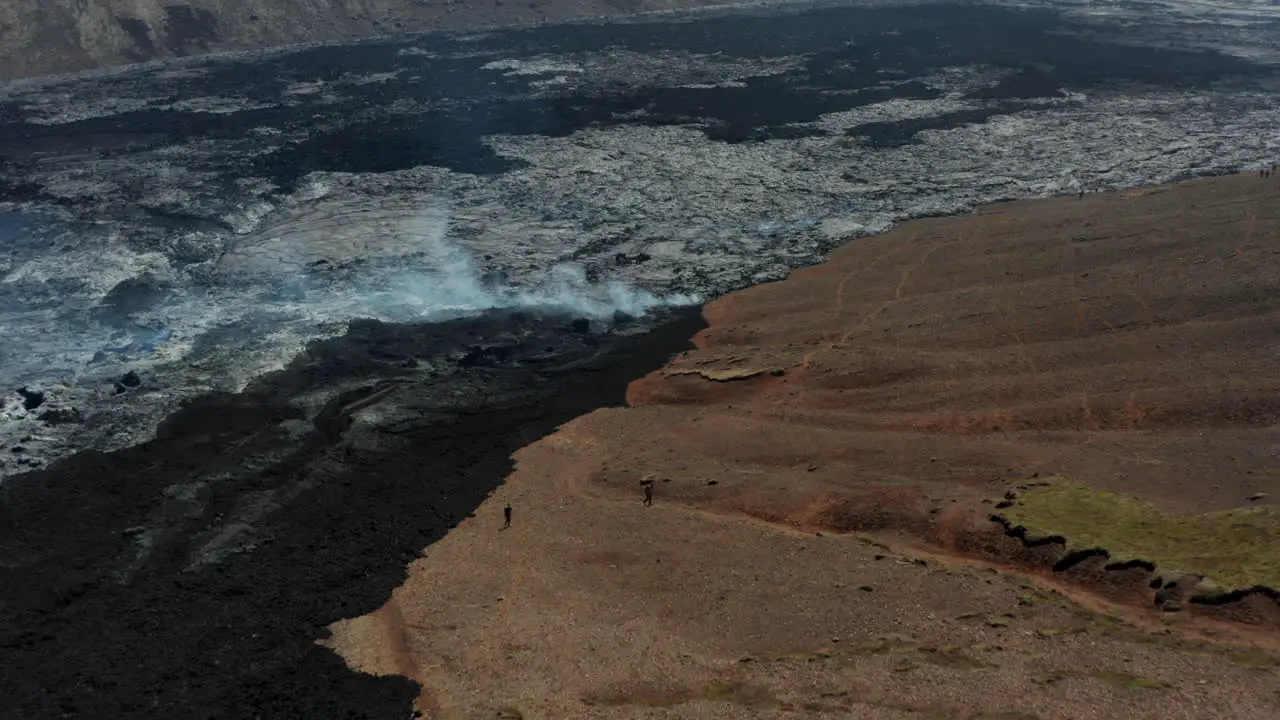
192 574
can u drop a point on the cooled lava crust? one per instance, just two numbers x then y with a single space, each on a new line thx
191 576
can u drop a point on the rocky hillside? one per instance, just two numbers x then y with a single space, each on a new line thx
39 37
1033 447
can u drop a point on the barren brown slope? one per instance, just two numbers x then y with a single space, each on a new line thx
826 465
39 37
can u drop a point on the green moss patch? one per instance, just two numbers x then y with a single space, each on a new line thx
908 652
1132 683
1252 658
662 697
1115 678
1237 549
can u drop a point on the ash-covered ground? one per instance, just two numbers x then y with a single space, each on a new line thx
197 223
205 232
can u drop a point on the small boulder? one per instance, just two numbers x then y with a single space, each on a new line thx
61 416
132 295
31 399
131 380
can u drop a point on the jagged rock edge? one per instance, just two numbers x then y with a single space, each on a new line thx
1073 557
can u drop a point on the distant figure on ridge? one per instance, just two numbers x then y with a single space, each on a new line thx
648 494
506 517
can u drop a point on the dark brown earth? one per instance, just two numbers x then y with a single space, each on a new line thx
1125 341
826 465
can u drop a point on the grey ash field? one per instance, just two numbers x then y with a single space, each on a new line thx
271 240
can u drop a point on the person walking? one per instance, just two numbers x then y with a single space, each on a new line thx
506 517
648 494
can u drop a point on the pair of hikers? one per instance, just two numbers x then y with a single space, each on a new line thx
648 500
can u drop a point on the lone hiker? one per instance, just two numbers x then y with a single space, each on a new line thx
506 517
648 494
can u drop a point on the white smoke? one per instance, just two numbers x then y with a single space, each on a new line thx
457 287
448 282
568 289
258 325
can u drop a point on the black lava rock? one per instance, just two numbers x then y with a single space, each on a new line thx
31 399
235 637
61 416
130 296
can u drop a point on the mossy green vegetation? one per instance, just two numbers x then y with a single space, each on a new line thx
909 653
658 696
1131 682
1252 658
1237 548
1115 678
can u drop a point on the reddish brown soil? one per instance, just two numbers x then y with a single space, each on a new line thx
841 495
